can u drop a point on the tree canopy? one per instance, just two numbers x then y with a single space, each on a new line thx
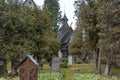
55 14
23 30
100 19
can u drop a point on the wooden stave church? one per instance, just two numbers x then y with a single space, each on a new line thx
65 33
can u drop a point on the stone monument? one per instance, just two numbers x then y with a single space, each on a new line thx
55 64
70 60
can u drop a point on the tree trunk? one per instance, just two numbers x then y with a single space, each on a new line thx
13 69
84 57
108 68
97 63
99 60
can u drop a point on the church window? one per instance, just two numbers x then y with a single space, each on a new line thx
30 2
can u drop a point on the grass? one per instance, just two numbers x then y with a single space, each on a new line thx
71 70
8 65
81 68
116 71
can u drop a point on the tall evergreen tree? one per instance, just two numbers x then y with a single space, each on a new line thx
87 20
23 31
100 18
75 44
55 14
109 24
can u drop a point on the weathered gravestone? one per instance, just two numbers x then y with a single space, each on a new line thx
60 54
15 62
55 64
70 60
28 68
3 66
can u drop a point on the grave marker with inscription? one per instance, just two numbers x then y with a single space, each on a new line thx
3 66
15 62
70 60
55 64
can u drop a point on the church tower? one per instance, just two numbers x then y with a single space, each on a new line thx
65 33
64 25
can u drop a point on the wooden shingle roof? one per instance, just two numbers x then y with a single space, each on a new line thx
31 58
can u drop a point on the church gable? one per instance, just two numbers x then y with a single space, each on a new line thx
67 35
64 27
30 3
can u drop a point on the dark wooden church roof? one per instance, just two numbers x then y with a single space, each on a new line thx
65 18
65 33
66 36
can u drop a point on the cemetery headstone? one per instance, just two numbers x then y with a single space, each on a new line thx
55 64
70 60
3 66
60 54
15 62
28 68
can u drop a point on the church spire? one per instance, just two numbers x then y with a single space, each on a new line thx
64 11
64 17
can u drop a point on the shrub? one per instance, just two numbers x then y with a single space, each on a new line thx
50 76
64 64
92 77
41 76
8 78
77 62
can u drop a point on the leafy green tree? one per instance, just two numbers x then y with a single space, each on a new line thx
75 44
13 38
100 18
53 44
25 31
9 23
21 30
109 32
87 20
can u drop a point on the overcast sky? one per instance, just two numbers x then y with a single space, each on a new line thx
66 5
